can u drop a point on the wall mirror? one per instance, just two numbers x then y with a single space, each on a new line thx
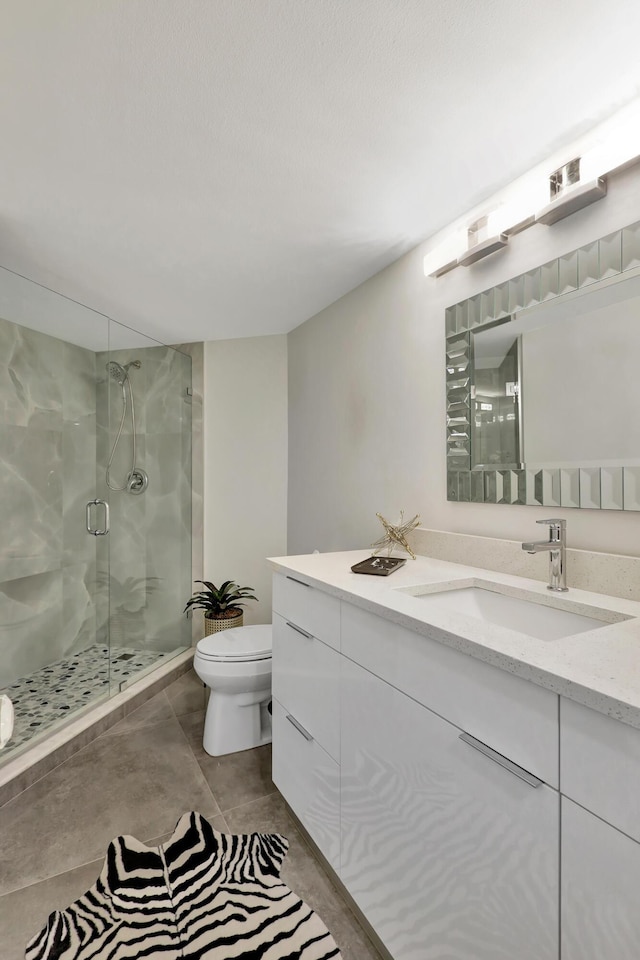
543 393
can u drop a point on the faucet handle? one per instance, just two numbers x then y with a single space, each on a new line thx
557 529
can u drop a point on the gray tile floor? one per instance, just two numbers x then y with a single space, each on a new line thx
138 778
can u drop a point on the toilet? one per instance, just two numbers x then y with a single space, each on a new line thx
236 666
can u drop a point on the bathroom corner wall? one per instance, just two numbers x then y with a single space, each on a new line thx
367 400
245 457
47 473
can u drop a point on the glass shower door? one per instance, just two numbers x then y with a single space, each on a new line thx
54 655
144 472
95 512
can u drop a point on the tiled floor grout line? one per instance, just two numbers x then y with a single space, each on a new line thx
56 767
223 813
195 760
256 800
98 861
179 716
112 732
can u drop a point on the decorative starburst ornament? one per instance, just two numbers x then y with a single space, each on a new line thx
395 534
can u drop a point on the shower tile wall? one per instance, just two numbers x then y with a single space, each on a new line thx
150 539
47 473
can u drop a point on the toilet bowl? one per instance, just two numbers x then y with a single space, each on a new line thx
236 666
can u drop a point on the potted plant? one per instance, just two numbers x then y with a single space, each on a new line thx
222 605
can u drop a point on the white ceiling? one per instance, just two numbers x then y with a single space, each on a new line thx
224 168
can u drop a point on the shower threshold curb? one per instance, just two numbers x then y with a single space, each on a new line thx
32 764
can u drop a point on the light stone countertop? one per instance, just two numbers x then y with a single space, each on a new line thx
599 668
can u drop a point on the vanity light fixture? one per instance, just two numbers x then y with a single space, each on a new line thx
540 197
481 243
482 238
574 200
445 257
444 268
569 194
483 249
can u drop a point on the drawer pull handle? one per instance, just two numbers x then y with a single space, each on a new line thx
298 630
509 765
299 727
301 582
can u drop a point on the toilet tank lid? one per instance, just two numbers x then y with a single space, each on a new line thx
238 643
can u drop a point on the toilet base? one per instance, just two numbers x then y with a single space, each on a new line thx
235 722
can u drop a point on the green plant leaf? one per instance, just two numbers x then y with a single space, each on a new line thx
215 600
210 586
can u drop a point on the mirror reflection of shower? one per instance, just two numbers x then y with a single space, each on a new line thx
136 481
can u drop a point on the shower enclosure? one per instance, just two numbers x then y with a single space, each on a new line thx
95 506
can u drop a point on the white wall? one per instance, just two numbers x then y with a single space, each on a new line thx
367 400
245 463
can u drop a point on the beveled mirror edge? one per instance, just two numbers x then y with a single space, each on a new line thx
596 488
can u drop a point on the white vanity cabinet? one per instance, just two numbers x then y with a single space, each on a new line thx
517 718
314 611
470 813
305 686
600 771
309 780
600 884
306 679
601 765
446 852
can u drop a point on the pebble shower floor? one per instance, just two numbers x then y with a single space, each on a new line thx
61 688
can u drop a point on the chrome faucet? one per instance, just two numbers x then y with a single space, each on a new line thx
557 547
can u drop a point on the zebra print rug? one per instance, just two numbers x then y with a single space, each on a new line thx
203 895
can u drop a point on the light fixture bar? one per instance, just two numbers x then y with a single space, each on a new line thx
519 227
483 249
542 196
572 200
444 268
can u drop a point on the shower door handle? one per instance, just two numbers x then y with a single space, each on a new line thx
94 530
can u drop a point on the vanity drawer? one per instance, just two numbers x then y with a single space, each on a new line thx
309 780
516 718
316 612
306 678
600 880
600 765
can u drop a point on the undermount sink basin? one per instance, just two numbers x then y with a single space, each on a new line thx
524 615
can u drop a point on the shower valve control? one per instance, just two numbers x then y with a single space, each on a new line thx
137 481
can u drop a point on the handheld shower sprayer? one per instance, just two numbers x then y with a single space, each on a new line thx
137 480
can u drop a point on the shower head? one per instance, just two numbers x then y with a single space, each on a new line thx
120 373
117 372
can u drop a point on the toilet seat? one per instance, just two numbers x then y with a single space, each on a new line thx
237 645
